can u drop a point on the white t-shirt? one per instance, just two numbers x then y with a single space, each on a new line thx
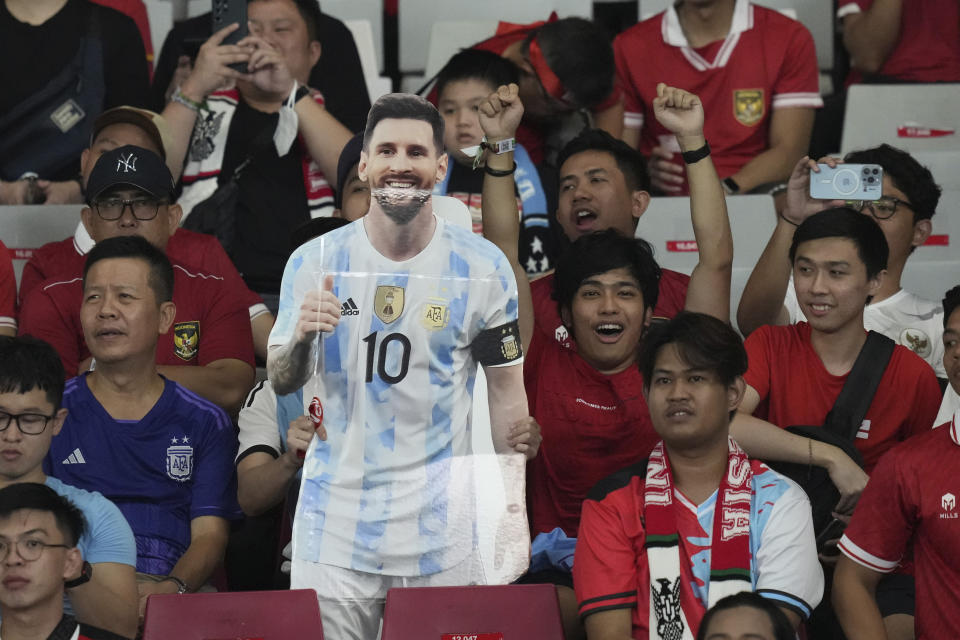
909 320
391 490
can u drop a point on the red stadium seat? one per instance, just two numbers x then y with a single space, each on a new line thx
239 615
510 612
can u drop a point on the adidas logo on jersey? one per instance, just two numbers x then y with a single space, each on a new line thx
349 308
74 458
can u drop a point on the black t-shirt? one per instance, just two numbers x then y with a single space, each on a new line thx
536 243
338 74
34 54
272 200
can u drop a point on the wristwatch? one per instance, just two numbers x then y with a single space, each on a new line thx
86 572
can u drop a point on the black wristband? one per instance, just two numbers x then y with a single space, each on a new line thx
690 157
85 574
496 173
731 185
302 92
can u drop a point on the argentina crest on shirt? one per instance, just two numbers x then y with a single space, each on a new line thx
180 460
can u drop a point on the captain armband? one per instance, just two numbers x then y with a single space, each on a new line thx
498 346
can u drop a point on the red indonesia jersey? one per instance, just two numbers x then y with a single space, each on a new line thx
796 389
912 499
928 48
8 290
64 260
208 325
766 62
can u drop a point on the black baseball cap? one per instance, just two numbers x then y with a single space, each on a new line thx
134 167
349 158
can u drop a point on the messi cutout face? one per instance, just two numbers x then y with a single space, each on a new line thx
402 165
120 314
831 283
608 316
689 407
25 584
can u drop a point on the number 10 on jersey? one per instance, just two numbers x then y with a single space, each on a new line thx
377 356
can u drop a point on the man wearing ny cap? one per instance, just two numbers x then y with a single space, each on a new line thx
64 259
209 348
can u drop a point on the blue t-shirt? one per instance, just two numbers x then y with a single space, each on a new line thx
162 471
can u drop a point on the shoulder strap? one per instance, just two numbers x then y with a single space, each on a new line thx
857 394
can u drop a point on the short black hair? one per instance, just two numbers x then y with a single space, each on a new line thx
907 175
843 222
703 342
404 106
310 12
581 56
40 497
27 363
951 300
160 277
629 160
600 252
476 64
782 628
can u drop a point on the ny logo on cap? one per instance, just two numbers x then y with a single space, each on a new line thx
129 163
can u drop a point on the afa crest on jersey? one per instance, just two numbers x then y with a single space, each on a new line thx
180 461
748 107
388 303
186 339
436 315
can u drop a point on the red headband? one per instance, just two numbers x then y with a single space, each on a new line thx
548 78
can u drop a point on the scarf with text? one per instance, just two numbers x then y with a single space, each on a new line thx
673 605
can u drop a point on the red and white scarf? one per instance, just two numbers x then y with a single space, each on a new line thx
673 605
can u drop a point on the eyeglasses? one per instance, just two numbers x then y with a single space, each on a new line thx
31 424
142 208
29 549
882 209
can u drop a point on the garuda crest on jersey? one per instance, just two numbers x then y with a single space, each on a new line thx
186 339
748 107
388 303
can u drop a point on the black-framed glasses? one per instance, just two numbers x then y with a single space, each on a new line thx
31 424
142 208
29 549
882 209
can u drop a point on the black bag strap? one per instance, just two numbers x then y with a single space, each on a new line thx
855 398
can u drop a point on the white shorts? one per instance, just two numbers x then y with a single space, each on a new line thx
351 602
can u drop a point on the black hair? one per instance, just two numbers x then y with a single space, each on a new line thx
782 628
843 222
475 64
40 497
160 277
581 56
27 363
310 12
629 160
314 228
404 106
702 341
951 300
907 175
600 252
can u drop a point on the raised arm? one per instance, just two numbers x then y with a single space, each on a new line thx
500 115
870 36
762 299
681 113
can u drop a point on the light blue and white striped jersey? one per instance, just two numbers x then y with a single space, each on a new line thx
391 490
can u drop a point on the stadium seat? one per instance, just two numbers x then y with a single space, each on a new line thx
666 225
264 615
26 228
363 37
508 612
